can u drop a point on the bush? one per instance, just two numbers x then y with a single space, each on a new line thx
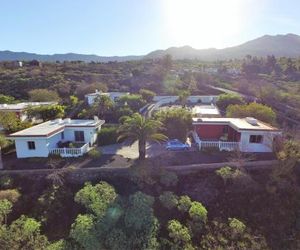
168 179
11 195
107 135
6 182
184 203
94 153
168 199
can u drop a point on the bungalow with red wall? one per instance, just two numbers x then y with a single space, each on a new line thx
228 134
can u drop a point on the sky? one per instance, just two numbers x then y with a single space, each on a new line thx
137 27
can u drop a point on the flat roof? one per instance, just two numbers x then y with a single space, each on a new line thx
238 123
107 93
22 105
205 110
49 128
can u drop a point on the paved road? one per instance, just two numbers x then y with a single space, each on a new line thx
131 151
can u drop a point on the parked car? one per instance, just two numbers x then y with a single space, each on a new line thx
177 145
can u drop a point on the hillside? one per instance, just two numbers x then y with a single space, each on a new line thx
280 45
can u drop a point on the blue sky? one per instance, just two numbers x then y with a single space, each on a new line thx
134 27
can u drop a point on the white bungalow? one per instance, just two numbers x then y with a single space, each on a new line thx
228 134
91 98
67 138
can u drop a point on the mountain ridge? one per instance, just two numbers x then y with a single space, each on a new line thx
278 45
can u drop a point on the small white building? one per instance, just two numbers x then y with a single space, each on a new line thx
20 108
228 134
91 98
67 138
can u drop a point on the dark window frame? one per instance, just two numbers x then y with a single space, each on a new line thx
31 145
256 139
79 136
62 137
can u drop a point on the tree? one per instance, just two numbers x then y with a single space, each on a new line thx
168 199
83 232
231 235
183 96
3 143
180 235
5 209
225 100
147 95
177 122
256 110
43 95
96 198
11 123
184 203
46 112
134 102
23 233
103 105
139 128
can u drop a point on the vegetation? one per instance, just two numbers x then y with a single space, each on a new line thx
225 100
107 135
43 95
46 112
138 128
256 110
177 122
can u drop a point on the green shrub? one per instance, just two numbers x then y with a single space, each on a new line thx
168 199
168 179
184 203
107 135
94 153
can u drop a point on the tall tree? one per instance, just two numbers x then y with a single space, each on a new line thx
139 128
3 143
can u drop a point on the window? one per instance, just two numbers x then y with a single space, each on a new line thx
31 145
79 136
256 139
62 135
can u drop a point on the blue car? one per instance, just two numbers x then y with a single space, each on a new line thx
176 145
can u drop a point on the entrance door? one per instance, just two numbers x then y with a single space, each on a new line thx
79 136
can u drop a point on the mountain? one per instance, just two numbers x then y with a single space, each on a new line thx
24 56
279 45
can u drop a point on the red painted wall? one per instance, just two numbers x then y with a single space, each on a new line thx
214 132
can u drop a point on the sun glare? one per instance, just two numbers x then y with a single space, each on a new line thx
203 23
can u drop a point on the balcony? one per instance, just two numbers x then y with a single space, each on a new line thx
70 151
221 145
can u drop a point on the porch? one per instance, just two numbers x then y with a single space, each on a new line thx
220 144
70 151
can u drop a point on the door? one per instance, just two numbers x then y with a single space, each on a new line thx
79 136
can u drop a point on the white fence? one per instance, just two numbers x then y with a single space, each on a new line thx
70 152
222 145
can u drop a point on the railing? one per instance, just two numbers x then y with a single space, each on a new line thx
70 152
222 145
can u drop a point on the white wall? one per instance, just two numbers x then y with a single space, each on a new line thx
265 146
41 149
193 99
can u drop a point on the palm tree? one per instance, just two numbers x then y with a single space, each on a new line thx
139 128
3 143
